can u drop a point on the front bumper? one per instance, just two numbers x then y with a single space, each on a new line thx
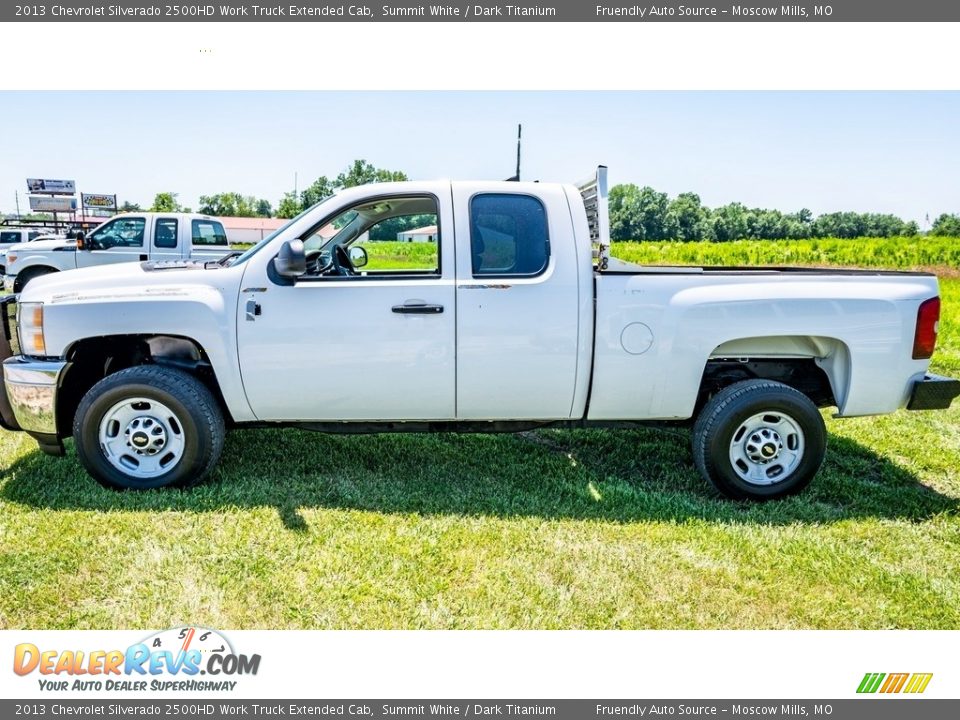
933 392
30 387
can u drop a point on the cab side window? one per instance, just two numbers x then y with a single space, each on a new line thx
10 237
122 232
165 233
394 236
508 235
208 232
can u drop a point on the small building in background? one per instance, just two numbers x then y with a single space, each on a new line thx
249 230
424 234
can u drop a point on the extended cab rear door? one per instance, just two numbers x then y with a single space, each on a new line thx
518 302
206 239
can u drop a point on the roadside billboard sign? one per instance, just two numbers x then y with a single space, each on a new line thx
99 202
53 204
51 187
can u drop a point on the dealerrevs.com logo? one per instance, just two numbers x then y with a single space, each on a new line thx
180 659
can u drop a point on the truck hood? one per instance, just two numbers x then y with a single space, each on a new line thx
44 245
119 281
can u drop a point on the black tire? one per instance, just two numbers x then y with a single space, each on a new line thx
197 423
730 411
29 274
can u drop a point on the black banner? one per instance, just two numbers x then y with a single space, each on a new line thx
484 11
875 708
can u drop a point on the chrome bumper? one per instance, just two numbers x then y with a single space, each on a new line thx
8 281
31 388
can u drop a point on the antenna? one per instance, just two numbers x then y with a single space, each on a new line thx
516 178
519 135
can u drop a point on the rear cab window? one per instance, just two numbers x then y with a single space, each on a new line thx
508 235
165 233
208 232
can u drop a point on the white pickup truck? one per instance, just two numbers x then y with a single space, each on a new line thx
514 317
128 237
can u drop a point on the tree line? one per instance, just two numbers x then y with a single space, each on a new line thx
235 204
636 213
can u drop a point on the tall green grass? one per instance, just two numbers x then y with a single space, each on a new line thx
891 253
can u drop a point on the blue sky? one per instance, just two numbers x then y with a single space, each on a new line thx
893 152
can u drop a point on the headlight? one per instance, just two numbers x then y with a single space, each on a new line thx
30 329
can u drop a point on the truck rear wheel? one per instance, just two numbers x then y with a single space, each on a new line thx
759 440
149 427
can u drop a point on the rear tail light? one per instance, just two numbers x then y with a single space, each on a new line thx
928 322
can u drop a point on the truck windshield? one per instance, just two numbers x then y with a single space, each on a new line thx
266 241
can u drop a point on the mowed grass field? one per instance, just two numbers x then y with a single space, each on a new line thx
553 529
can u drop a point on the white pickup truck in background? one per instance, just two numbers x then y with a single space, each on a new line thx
517 319
128 237
10 237
13 238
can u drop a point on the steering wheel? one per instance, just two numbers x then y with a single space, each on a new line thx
341 261
316 264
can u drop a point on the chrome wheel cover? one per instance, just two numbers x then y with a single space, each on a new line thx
767 448
142 438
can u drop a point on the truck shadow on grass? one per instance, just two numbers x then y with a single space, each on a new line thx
622 476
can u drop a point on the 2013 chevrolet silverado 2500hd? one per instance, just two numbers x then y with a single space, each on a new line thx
515 317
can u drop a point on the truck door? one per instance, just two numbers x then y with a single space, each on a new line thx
120 240
205 239
166 244
351 340
517 303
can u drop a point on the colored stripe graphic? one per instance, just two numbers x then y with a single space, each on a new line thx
918 683
894 683
870 682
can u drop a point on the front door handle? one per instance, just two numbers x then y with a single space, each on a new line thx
253 310
417 308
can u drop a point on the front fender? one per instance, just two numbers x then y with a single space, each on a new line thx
198 313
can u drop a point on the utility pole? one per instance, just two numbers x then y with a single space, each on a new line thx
16 196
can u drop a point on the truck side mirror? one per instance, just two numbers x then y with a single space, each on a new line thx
291 262
358 256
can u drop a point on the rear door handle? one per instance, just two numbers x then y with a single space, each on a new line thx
418 308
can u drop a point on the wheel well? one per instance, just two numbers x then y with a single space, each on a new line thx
23 276
803 374
93 359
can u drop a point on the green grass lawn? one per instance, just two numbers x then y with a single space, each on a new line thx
554 529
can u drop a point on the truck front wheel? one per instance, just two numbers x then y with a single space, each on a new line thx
149 427
759 440
27 275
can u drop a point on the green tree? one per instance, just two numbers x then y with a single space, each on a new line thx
624 209
165 202
233 204
688 218
730 222
289 206
321 188
264 209
947 225
129 207
362 172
